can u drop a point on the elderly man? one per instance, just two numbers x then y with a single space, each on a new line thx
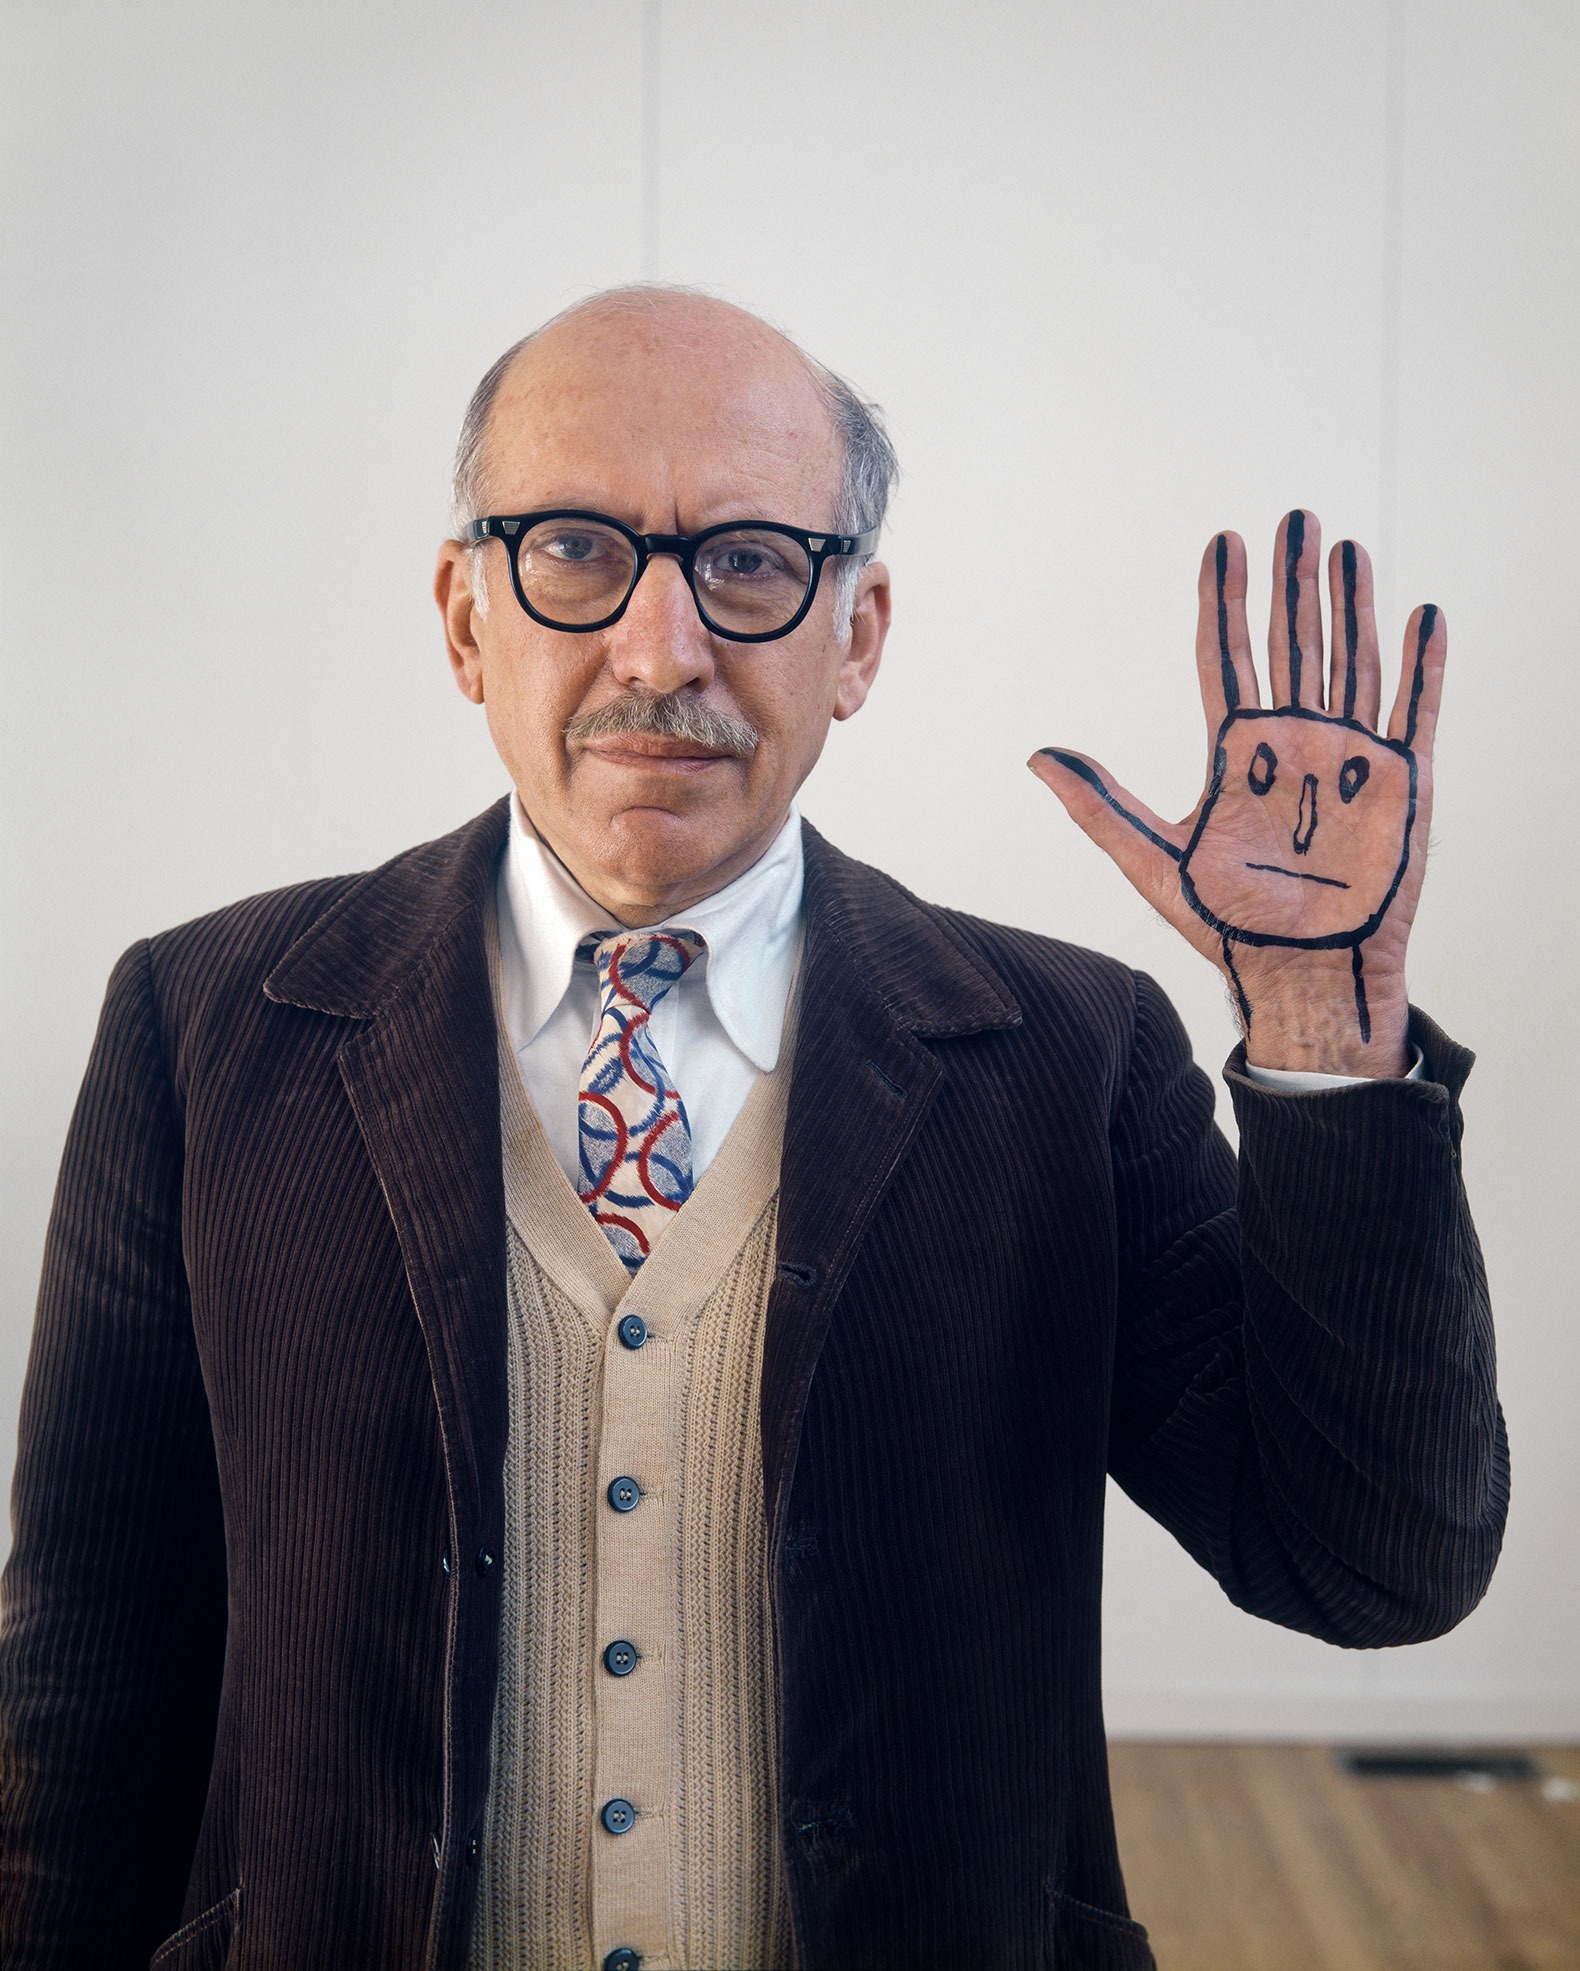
576 1371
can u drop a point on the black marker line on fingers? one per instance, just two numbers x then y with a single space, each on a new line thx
1362 1013
1423 637
1294 544
1095 780
1239 990
1231 684
1352 630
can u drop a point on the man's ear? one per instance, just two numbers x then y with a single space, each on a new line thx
452 590
869 626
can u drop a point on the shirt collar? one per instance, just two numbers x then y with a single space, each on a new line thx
751 928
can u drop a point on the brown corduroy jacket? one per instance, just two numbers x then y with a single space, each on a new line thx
251 1614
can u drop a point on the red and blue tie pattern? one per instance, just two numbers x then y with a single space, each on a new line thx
635 1141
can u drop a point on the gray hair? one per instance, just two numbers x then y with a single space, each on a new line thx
867 480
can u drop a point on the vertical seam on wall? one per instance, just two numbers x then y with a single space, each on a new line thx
1392 309
652 25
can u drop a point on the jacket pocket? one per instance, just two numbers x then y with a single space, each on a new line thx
204 1943
1085 1938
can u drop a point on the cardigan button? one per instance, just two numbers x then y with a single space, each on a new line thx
623 1959
485 1562
470 1851
624 1494
618 1816
620 1658
632 1331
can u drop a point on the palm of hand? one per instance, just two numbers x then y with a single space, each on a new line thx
1307 837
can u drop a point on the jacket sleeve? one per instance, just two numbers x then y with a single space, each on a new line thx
114 1597
1304 1385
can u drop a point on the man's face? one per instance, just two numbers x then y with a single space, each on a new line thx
669 417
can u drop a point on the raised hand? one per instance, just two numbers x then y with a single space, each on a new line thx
1299 869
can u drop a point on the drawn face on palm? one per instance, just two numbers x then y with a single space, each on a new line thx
1286 847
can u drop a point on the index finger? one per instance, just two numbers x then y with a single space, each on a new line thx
1224 662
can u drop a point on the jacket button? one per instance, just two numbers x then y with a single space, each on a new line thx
623 1959
623 1494
470 1851
618 1816
485 1562
620 1658
632 1331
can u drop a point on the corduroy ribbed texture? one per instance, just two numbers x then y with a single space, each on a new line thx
268 1384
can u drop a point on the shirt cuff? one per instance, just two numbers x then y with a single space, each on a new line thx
1302 1081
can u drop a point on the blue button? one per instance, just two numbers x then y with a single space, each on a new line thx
623 1959
485 1562
621 1658
623 1494
632 1331
619 1816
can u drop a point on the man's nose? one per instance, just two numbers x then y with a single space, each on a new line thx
660 642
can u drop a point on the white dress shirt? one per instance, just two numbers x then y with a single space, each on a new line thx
716 1029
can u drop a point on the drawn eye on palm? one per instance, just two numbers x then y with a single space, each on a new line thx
1305 834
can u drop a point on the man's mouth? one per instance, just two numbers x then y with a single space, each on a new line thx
648 750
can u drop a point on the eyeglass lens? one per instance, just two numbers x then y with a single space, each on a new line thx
748 580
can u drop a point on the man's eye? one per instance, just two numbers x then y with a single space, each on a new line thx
743 561
751 561
573 547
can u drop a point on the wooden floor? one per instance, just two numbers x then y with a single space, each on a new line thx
1269 1858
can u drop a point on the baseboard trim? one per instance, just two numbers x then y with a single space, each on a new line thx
1359 1718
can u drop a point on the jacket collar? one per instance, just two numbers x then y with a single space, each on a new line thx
378 935
923 974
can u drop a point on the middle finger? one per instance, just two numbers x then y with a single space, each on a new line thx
1294 637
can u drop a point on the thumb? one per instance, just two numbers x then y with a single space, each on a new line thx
1143 845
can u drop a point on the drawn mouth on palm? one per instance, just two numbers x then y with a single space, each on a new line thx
1300 875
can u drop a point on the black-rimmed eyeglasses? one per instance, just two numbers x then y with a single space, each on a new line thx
752 580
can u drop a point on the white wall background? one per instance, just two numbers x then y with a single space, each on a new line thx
1121 276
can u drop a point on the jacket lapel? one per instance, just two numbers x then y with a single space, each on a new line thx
401 957
880 977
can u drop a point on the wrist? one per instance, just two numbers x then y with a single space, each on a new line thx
1311 1012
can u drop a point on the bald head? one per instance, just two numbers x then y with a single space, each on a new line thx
651 335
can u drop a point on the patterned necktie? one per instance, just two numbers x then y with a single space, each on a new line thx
635 1141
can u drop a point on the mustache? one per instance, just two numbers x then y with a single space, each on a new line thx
667 715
